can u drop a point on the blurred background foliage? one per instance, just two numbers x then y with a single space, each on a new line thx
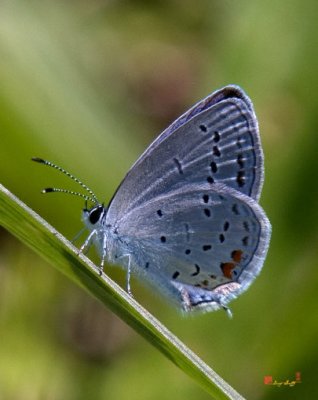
89 84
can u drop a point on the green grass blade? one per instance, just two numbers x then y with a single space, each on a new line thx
36 233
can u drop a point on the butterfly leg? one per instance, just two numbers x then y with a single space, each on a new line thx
86 245
78 235
128 277
101 268
128 290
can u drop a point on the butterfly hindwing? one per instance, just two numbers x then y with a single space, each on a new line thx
198 237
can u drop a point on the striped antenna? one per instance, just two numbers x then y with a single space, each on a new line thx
92 196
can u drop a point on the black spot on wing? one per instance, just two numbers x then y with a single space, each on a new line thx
197 270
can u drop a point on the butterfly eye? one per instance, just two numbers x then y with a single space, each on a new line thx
95 214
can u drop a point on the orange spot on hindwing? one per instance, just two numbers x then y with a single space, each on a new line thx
237 255
227 269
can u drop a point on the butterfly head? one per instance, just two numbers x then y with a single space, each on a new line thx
93 216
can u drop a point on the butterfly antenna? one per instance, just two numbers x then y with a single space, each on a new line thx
92 196
58 190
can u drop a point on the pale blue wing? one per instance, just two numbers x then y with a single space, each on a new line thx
215 141
200 244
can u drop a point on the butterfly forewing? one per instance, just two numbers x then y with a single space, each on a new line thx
215 142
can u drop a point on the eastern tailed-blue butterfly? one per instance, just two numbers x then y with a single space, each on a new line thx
186 217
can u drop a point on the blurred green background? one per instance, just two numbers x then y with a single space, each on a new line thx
88 85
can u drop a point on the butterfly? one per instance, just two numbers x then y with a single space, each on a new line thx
186 217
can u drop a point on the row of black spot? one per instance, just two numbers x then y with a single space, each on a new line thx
226 225
205 247
195 273
216 152
177 273
240 178
246 226
205 198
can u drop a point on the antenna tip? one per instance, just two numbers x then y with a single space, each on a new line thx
39 160
47 190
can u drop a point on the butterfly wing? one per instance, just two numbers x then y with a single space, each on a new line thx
200 244
215 141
